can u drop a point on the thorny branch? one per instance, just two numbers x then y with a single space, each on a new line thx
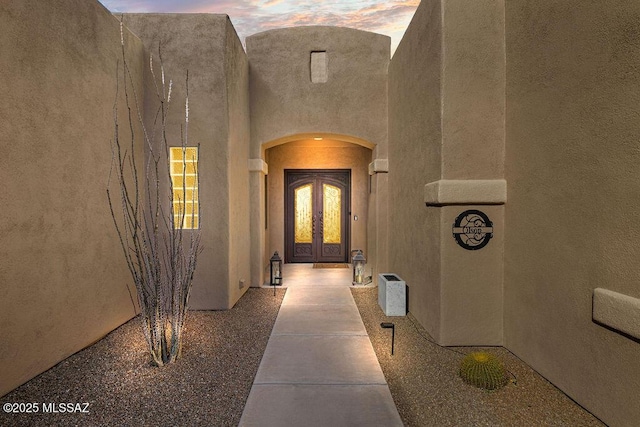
158 253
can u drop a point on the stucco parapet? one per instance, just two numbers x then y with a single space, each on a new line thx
379 166
470 192
617 311
295 32
258 165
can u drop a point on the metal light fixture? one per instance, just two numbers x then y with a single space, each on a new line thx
358 262
392 326
276 270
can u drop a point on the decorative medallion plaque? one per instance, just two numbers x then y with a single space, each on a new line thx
472 229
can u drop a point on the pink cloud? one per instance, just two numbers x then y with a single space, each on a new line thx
253 16
270 3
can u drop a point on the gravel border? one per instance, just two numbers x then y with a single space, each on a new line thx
424 382
208 386
222 352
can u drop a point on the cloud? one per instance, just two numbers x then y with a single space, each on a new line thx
140 6
390 18
270 3
253 16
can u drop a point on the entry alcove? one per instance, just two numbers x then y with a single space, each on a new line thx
318 156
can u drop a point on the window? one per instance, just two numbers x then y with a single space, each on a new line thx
184 177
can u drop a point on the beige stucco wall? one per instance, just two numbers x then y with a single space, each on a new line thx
326 154
414 160
472 91
377 251
446 121
62 275
286 106
285 102
237 76
573 126
207 46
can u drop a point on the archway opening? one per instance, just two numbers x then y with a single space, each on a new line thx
321 153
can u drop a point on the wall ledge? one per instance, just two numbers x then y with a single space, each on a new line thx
466 192
258 165
379 166
617 311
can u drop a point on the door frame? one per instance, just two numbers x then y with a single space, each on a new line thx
288 211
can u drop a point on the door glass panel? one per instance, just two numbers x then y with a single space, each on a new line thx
331 213
303 214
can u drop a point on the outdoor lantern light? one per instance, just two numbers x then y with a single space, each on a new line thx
358 268
276 270
392 326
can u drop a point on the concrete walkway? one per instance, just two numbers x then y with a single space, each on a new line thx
319 368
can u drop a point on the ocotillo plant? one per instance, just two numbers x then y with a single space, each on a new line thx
160 253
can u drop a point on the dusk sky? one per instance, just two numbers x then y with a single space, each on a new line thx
253 16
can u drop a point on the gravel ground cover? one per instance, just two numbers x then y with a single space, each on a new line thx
424 382
208 386
222 351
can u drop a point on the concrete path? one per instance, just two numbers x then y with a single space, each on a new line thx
319 368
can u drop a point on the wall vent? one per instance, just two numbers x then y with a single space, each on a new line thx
319 67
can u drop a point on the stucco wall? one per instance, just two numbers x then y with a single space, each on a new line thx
350 106
414 160
285 102
573 126
446 121
473 89
206 45
237 75
62 275
318 155
377 248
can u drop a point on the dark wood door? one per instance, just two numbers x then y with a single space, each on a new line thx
317 212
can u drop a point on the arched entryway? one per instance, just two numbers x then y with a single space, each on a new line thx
322 165
366 211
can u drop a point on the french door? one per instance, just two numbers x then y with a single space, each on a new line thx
317 212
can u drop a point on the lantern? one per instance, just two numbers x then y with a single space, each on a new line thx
276 270
358 268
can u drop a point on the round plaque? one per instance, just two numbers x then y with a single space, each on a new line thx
472 230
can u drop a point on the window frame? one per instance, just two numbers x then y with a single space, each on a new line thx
184 176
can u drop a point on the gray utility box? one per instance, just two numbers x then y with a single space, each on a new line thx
392 294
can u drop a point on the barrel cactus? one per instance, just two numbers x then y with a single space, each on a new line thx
483 370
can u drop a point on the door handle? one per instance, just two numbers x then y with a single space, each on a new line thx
313 227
